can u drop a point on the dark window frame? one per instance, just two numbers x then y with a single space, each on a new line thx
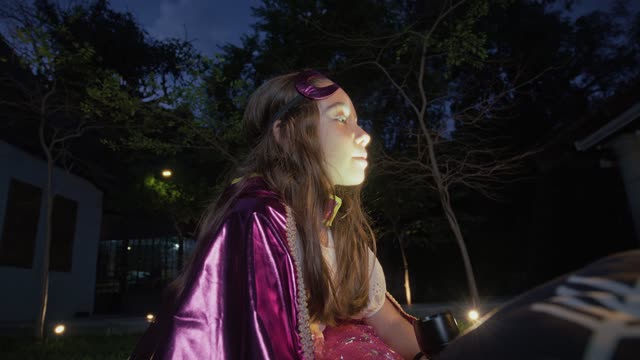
64 219
21 223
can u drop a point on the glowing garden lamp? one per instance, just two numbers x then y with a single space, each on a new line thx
166 173
473 315
151 318
59 329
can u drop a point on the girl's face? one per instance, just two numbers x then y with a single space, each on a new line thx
342 140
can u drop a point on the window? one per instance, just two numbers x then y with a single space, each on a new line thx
20 224
63 231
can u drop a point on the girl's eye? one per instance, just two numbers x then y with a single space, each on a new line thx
342 118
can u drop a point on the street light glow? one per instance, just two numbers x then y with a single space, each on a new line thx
59 329
473 315
166 173
150 317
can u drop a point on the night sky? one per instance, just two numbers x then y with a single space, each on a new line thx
211 23
208 23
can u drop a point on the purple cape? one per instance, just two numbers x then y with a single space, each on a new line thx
243 298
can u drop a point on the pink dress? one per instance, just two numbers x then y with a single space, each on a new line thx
354 339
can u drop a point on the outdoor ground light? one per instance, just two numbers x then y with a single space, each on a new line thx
473 315
150 318
59 329
166 173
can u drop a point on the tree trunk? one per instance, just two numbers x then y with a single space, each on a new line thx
455 228
48 200
445 199
407 285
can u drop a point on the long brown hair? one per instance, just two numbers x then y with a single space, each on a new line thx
293 166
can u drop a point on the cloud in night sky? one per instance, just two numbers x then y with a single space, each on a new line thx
209 23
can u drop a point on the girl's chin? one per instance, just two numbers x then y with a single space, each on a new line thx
351 180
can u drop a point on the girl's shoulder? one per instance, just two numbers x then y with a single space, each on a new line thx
257 198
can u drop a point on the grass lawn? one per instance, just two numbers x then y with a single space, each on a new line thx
68 348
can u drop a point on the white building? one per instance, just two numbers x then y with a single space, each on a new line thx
76 225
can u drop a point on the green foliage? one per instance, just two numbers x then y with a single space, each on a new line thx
144 89
166 192
106 100
181 197
459 37
37 52
147 97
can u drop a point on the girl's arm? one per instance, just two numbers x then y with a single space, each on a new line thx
394 330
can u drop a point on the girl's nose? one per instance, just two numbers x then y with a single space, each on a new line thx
363 138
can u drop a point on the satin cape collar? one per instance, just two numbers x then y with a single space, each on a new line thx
331 209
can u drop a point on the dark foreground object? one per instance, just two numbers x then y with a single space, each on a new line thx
589 314
435 332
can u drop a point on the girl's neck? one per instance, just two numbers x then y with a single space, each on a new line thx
324 236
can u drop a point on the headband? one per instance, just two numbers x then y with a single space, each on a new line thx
306 90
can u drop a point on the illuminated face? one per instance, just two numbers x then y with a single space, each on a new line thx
342 140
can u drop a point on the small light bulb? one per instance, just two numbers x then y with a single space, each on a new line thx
166 173
59 329
150 317
473 315
129 248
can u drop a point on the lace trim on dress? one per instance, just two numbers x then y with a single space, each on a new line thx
304 329
377 282
377 290
406 315
377 287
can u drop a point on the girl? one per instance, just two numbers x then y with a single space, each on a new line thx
283 268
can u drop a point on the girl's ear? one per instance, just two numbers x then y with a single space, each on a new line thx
277 128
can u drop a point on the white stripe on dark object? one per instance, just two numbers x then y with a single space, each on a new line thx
609 309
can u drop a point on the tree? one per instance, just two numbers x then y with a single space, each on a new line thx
52 101
414 58
458 92
440 163
64 83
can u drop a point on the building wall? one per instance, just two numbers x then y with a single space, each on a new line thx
627 149
69 292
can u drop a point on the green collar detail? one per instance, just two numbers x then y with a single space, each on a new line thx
332 207
336 202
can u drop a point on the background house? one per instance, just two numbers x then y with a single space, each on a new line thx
77 216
